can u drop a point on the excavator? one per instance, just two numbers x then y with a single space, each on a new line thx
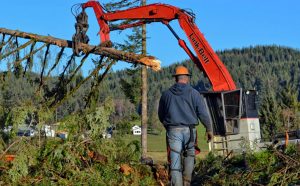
233 111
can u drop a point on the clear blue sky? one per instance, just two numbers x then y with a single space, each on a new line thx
226 24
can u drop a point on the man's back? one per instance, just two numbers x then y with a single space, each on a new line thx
177 106
182 105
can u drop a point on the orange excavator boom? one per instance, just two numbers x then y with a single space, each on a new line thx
205 59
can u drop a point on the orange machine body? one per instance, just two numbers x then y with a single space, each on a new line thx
205 59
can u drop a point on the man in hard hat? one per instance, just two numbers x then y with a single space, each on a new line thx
180 107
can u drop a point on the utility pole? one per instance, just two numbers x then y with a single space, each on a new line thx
144 91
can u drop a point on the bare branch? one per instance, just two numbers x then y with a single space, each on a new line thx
29 59
16 50
3 43
66 67
58 57
96 83
77 69
44 65
29 56
71 92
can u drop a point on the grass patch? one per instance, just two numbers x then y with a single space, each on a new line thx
157 143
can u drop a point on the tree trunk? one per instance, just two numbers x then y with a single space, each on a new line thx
109 52
144 93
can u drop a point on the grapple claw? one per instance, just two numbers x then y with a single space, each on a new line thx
81 27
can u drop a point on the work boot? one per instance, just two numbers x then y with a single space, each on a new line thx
186 181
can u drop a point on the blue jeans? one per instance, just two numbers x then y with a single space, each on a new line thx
181 155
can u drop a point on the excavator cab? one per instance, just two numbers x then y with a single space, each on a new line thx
235 120
227 108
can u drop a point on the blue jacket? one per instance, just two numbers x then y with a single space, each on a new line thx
182 105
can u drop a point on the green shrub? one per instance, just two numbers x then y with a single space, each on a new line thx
267 167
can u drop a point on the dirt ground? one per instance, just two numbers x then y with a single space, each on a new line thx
160 159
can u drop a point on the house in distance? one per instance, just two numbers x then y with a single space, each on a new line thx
136 130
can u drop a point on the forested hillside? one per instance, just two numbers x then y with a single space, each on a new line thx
265 68
272 70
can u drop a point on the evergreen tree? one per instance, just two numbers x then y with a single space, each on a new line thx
290 106
270 117
132 87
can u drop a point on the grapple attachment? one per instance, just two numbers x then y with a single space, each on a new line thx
81 27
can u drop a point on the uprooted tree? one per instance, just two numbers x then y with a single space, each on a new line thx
19 49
